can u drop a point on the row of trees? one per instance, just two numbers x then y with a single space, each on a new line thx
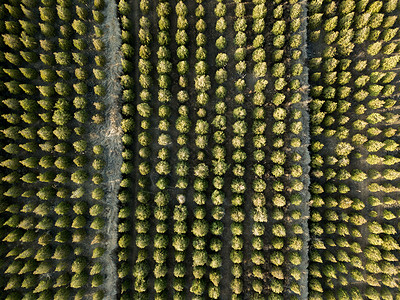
183 124
259 208
142 212
161 208
200 227
218 152
277 227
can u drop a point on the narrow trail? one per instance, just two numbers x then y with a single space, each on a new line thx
189 191
305 153
109 136
247 204
154 147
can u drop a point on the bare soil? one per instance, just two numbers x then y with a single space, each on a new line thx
305 154
109 136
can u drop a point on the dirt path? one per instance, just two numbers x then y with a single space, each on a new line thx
305 154
109 136
247 204
133 189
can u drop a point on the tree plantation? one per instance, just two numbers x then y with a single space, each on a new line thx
198 149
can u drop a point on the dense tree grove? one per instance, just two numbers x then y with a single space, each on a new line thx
194 145
52 210
199 149
353 148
